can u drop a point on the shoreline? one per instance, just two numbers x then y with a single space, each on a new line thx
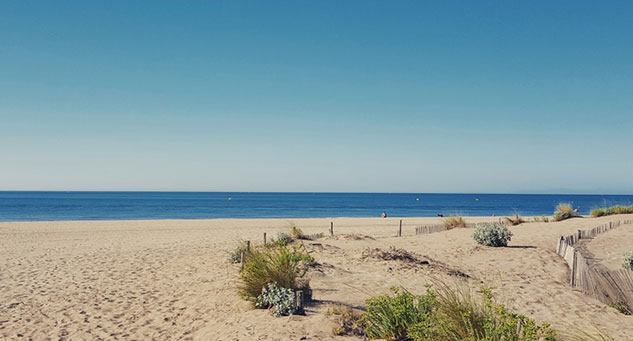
277 218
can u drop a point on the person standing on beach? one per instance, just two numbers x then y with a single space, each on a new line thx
384 214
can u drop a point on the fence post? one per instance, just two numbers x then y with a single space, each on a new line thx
299 301
572 282
400 230
331 228
264 238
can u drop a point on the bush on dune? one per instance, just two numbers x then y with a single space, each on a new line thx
296 233
617 209
564 211
235 256
277 264
453 222
492 234
447 314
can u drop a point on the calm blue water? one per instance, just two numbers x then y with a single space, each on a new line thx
32 206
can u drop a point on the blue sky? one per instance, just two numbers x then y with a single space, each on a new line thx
367 96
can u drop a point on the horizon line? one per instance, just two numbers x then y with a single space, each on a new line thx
310 192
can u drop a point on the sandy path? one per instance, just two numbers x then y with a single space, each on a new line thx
608 248
171 279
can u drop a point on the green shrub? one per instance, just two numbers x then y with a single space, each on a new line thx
453 222
281 301
283 238
622 307
279 264
492 234
445 313
392 317
564 211
628 261
296 233
235 256
516 220
617 209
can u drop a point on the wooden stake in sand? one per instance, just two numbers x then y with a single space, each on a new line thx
331 228
299 301
400 230
264 238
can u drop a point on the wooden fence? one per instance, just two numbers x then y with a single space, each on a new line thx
608 286
426 229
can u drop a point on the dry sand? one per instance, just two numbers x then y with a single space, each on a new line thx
171 279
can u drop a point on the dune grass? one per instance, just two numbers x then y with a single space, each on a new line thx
278 264
617 209
454 222
447 313
564 211
543 219
516 220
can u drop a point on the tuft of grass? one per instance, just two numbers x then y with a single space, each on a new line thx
564 211
395 317
276 264
448 313
296 233
543 219
628 260
516 220
347 322
453 222
621 307
617 209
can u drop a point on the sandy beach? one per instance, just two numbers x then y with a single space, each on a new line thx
171 279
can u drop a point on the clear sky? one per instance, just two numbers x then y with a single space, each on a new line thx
364 96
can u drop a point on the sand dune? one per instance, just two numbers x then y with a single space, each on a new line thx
171 280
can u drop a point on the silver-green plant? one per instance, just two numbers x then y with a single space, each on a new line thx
492 234
284 238
628 260
280 301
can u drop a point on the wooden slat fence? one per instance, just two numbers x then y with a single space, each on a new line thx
608 286
426 229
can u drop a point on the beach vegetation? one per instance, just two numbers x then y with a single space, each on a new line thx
399 315
622 307
617 209
347 321
454 222
628 260
543 219
492 234
564 211
516 220
447 313
296 233
235 256
279 300
283 238
279 264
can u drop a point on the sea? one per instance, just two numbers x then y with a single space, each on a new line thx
56 206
